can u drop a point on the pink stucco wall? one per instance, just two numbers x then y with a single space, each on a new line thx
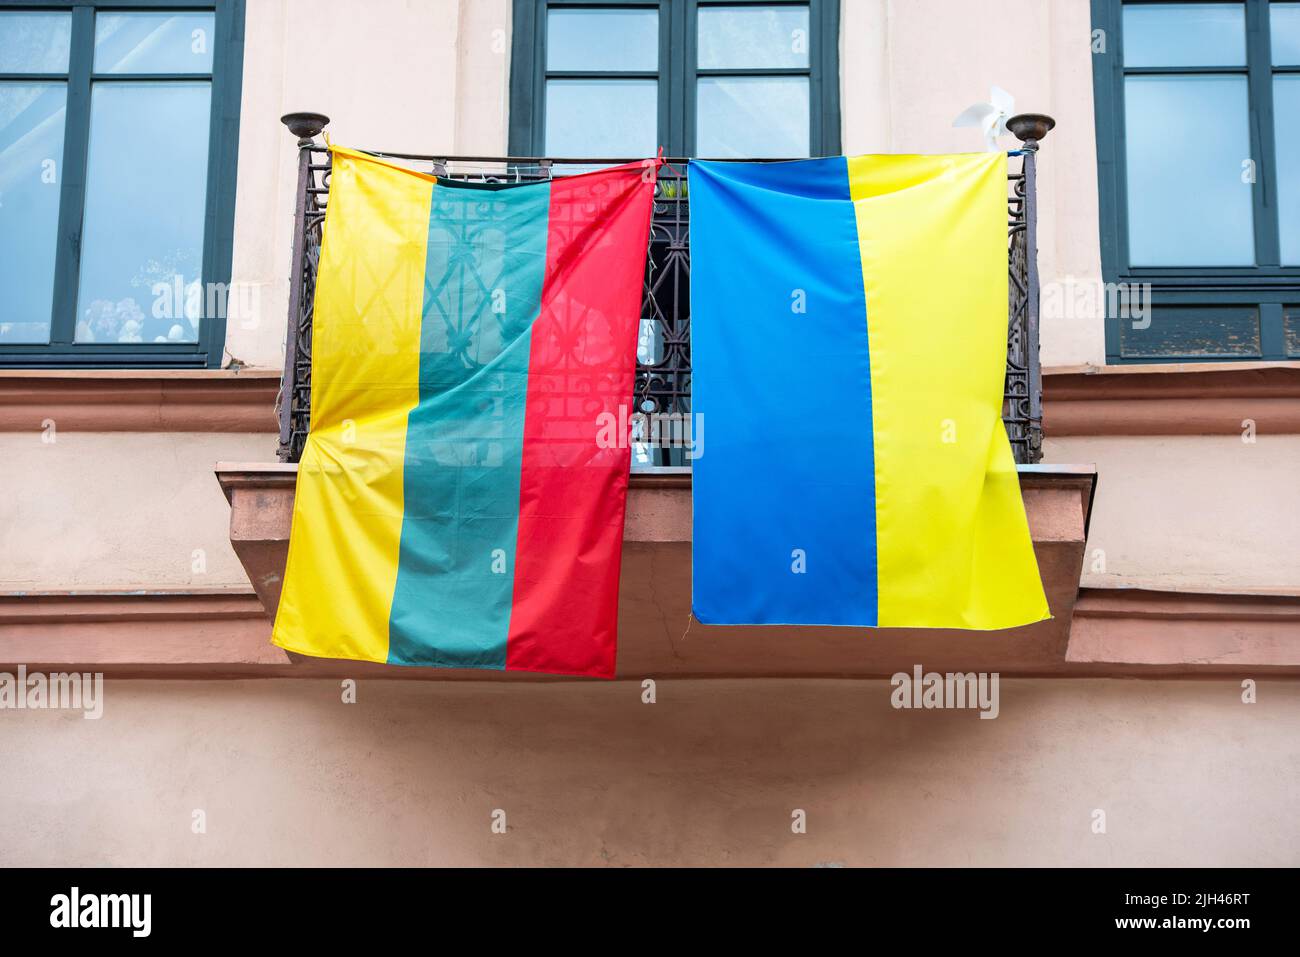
587 774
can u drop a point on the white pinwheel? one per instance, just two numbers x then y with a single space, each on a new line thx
990 117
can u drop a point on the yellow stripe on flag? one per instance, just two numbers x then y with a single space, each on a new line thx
952 541
365 379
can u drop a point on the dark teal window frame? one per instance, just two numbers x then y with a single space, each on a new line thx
677 71
219 219
1272 289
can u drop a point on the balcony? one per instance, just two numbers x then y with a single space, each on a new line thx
663 383
657 633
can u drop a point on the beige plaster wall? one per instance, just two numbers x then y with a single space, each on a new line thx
124 510
419 76
286 774
128 510
908 67
433 76
1195 512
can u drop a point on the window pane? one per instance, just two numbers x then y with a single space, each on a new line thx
1188 202
1185 34
1286 125
1284 27
153 42
1291 328
31 160
34 42
146 185
604 118
602 40
1193 332
739 116
746 37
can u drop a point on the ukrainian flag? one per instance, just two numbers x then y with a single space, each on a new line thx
455 504
848 337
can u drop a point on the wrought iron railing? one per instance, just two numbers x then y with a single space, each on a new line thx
663 381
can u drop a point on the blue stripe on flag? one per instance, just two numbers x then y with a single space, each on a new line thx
785 511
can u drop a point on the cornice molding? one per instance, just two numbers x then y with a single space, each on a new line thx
1141 631
1173 399
1169 399
146 400
222 633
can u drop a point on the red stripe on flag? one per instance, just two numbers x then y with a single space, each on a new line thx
582 365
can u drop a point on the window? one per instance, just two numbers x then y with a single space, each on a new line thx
713 78
118 127
1198 139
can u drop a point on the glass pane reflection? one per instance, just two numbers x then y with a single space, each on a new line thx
32 117
142 241
153 42
740 116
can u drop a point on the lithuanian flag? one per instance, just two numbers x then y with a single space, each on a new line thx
455 505
849 349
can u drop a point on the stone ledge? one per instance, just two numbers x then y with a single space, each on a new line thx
657 633
226 634
1158 399
1164 632
1172 399
144 400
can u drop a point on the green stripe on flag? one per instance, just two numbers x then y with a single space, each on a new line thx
485 268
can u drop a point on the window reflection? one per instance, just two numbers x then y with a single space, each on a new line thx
610 39
1286 125
142 242
1185 34
607 118
733 38
1189 203
1284 31
32 117
34 41
739 116
153 42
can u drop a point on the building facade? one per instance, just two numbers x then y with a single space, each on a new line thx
147 242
